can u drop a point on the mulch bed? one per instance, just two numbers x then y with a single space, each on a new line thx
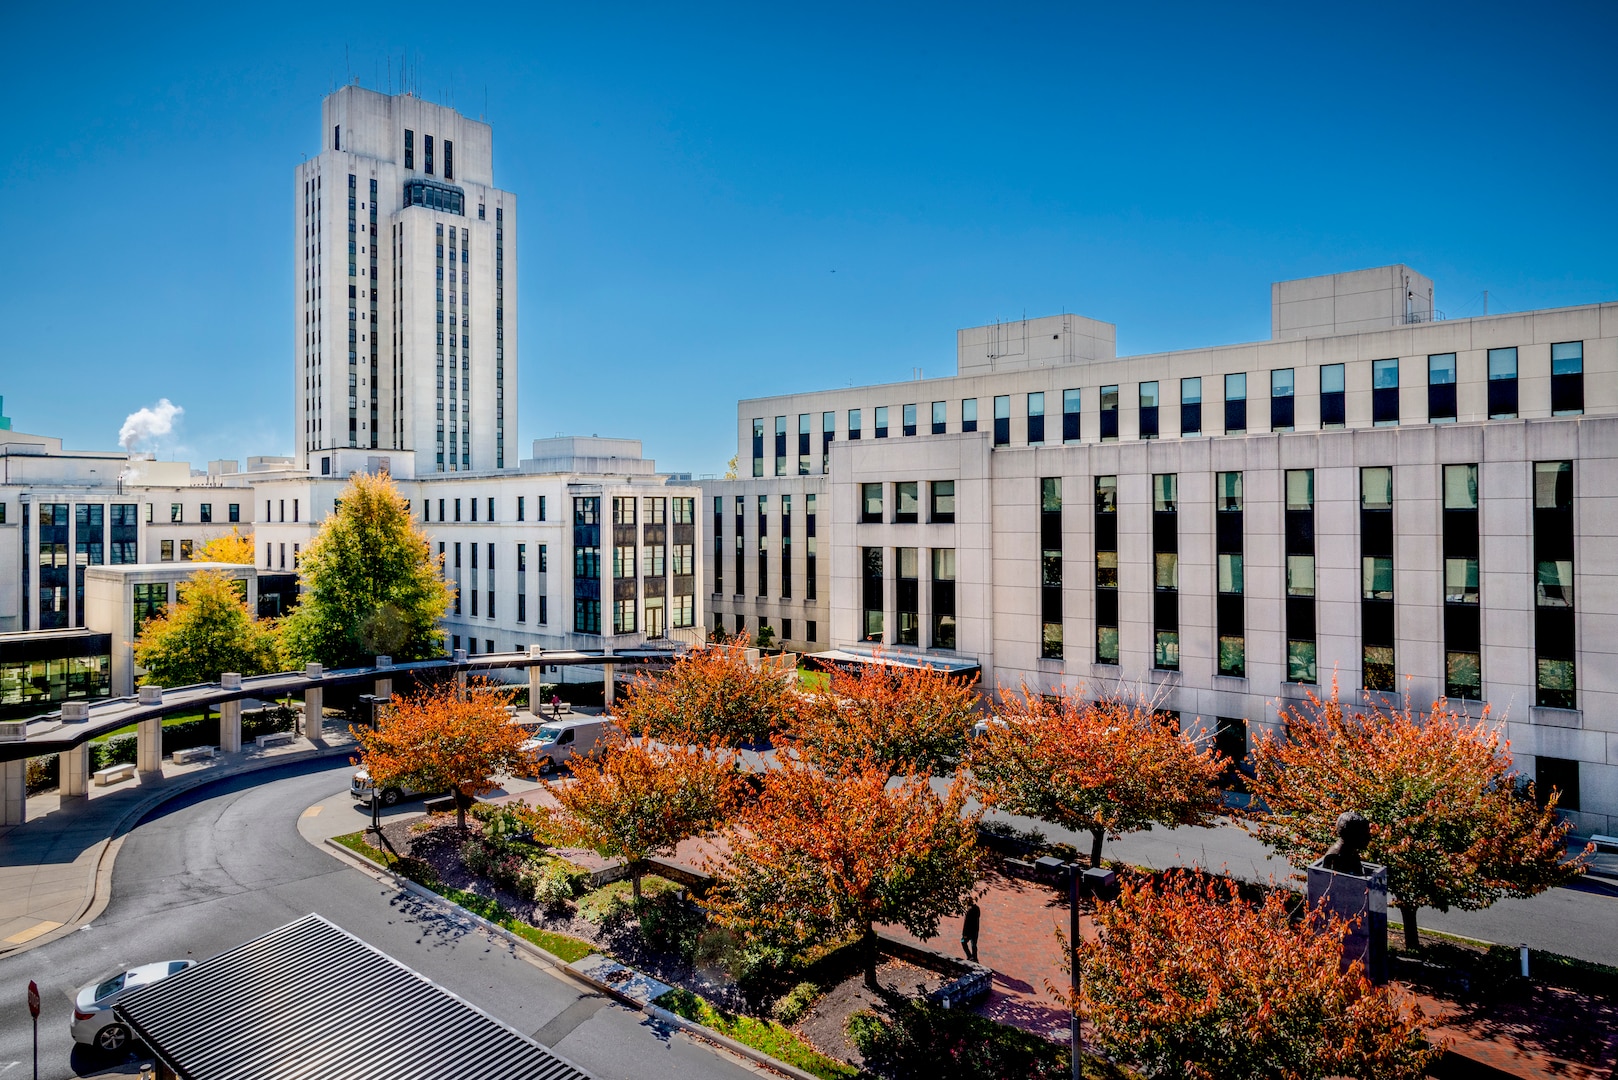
825 1023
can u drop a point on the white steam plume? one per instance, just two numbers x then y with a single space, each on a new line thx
149 423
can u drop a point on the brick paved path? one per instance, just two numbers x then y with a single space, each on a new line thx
1554 1033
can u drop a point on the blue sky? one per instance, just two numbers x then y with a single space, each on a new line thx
691 177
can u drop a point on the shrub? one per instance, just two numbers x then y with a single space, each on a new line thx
670 925
552 885
923 1041
118 750
268 720
476 858
418 870
795 1002
44 773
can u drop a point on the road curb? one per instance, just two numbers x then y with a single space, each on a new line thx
663 1016
382 873
98 893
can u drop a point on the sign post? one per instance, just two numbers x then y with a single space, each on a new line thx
33 1010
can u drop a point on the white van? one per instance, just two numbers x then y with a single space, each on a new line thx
557 742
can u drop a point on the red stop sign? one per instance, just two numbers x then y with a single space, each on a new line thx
33 999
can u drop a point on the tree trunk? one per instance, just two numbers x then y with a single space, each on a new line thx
460 810
868 947
1096 836
634 881
1407 915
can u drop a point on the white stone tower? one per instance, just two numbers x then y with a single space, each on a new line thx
405 313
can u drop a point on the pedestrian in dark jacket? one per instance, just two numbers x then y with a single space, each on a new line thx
969 931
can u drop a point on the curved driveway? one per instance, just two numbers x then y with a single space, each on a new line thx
225 863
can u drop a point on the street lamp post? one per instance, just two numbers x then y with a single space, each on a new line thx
1073 966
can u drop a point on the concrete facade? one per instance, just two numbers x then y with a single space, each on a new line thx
511 544
405 259
1566 734
113 607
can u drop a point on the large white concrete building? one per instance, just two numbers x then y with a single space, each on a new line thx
65 512
405 315
1375 495
585 545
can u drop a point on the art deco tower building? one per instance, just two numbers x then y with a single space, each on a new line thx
405 293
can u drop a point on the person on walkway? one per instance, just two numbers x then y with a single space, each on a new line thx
969 931
556 707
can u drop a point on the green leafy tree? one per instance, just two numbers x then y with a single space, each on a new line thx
233 547
369 584
207 632
1450 818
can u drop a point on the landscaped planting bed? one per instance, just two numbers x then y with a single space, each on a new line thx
541 890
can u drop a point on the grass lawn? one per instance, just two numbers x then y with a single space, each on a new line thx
567 949
813 680
594 905
763 1035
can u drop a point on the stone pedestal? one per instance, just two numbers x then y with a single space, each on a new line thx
1363 901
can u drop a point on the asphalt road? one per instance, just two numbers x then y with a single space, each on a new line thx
226 863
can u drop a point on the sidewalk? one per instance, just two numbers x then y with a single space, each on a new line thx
1553 1033
56 867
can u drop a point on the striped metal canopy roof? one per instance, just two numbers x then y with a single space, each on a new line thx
945 665
310 1001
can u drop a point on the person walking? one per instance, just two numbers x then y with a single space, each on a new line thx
556 707
969 931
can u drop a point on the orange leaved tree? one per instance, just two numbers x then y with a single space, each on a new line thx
1104 767
818 857
1186 979
441 739
709 694
1452 821
906 718
641 798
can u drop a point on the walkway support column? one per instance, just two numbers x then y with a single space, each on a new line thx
384 686
313 704
459 656
13 792
608 679
230 715
149 736
536 681
73 766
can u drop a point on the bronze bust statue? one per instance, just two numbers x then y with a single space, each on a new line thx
1353 834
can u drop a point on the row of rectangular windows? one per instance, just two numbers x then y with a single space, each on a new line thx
123 514
1567 399
656 510
811 632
